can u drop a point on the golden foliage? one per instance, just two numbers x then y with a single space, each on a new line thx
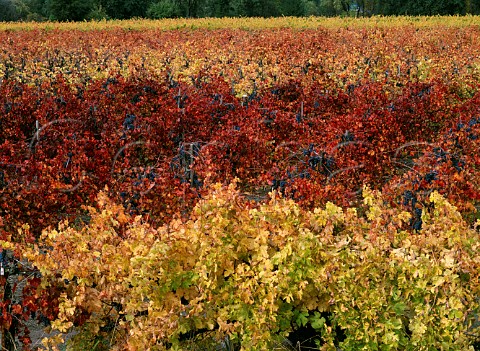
256 271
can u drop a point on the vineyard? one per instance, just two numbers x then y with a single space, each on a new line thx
241 184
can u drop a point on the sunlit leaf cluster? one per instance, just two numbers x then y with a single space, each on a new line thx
254 273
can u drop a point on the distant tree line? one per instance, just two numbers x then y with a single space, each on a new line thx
77 10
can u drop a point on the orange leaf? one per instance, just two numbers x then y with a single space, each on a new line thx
16 309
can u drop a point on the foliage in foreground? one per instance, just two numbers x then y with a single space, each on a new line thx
255 273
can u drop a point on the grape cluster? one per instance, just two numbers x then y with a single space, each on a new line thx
128 122
319 161
410 200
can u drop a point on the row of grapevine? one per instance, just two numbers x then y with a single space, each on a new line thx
248 59
252 274
155 144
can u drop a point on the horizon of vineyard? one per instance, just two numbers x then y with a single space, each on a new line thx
251 23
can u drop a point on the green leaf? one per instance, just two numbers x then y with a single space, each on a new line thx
129 317
302 319
317 321
399 308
